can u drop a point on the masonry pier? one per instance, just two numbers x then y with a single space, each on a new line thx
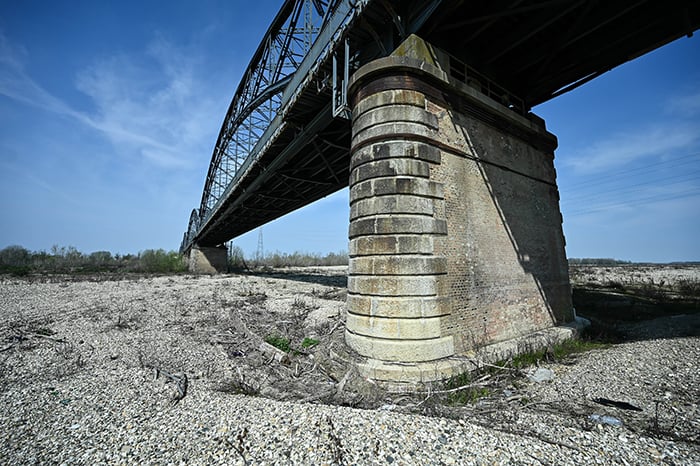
456 242
207 259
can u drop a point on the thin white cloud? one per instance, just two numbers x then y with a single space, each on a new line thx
623 148
154 104
17 85
687 105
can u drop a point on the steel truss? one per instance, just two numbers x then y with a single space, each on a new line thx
258 98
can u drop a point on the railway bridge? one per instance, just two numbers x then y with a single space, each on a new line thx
423 109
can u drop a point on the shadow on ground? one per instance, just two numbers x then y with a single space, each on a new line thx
619 316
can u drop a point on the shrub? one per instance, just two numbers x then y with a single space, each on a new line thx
236 260
160 261
14 256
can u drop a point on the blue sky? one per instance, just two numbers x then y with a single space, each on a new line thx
109 112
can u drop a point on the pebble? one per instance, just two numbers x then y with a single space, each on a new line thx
57 409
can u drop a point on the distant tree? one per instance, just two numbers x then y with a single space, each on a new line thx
236 261
100 258
160 261
15 256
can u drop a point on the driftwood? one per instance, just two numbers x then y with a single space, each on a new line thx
180 380
269 351
275 354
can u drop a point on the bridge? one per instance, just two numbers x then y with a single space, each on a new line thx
423 109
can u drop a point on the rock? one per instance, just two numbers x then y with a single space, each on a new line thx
608 420
541 374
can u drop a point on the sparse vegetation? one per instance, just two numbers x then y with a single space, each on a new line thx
309 342
689 287
279 342
18 261
297 259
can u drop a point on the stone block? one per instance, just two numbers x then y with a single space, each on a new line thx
410 307
395 149
391 244
393 130
391 204
397 185
396 113
399 329
410 376
389 97
398 265
402 285
400 350
404 224
390 167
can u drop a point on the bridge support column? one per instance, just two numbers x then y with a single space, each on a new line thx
211 260
456 246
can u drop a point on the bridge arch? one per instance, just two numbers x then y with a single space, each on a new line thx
258 97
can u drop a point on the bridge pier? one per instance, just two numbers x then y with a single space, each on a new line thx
207 259
456 243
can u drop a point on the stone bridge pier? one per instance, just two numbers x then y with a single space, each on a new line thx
456 242
207 259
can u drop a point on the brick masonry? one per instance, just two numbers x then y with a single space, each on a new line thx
455 231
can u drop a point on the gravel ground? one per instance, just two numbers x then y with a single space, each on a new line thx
85 365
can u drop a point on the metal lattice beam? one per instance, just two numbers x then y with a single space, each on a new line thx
258 97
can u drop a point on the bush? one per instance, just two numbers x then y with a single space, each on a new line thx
160 261
236 261
14 256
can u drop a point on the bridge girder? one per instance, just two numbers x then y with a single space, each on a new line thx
533 50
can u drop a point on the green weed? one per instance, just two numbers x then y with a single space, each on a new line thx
309 342
279 342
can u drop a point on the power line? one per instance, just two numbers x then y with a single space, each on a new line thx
635 202
687 176
652 167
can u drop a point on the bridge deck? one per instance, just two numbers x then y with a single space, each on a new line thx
535 50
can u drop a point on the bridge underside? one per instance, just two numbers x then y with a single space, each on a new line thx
518 53
302 166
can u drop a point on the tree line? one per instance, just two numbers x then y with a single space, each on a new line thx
18 260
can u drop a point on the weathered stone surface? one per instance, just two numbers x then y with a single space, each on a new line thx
401 128
403 224
390 167
402 113
403 306
391 244
397 265
388 97
390 327
395 149
391 204
409 285
407 375
397 185
400 350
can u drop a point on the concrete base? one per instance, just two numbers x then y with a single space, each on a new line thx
211 260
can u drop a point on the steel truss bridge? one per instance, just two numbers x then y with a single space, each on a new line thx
285 139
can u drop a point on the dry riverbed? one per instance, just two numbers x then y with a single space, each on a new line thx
180 369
